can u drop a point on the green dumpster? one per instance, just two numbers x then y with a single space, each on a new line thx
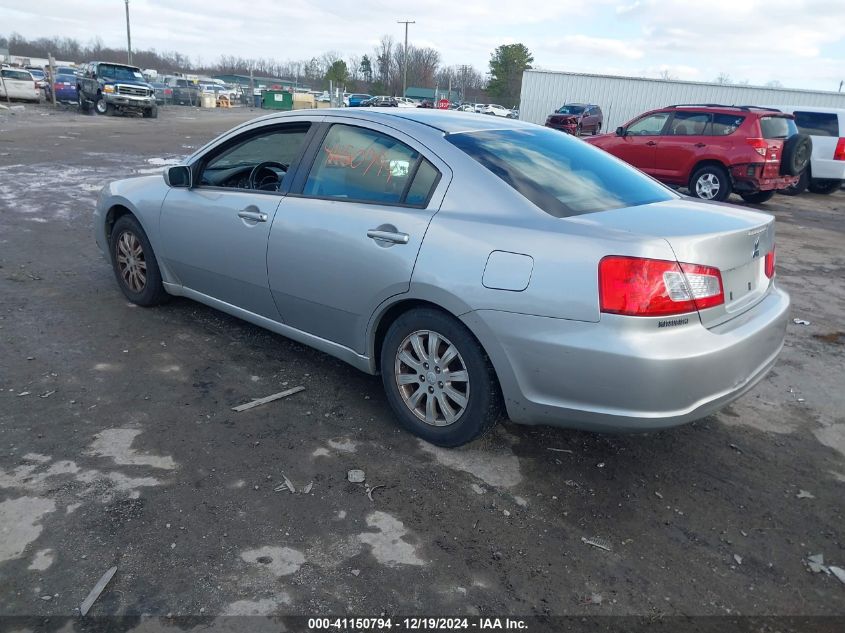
277 100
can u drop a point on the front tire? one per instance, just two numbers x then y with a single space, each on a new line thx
759 197
710 182
438 380
134 263
103 107
151 113
824 186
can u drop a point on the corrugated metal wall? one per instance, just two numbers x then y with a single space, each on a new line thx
623 98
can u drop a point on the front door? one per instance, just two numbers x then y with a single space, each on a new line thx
681 146
349 238
639 145
214 235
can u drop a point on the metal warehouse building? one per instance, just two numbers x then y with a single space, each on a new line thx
623 98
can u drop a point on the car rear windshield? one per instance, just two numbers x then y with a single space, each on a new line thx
777 127
817 123
21 75
560 174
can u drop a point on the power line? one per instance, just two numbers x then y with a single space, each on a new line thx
405 72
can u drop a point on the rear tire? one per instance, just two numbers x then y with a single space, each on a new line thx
84 104
799 187
824 186
710 182
597 129
134 263
445 403
758 198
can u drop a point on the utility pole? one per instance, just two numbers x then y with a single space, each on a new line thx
128 36
405 71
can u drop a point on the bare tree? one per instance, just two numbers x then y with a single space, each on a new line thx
724 79
666 75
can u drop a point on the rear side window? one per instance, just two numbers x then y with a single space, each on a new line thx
774 127
560 174
689 124
724 124
361 165
817 123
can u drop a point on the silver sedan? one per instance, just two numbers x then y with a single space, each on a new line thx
482 266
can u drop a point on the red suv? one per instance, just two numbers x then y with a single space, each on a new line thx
714 149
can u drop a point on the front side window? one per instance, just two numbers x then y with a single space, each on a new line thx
560 174
235 166
689 124
817 123
651 125
361 165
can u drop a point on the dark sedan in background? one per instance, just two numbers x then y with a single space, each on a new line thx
576 118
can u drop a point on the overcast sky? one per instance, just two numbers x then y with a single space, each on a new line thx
800 43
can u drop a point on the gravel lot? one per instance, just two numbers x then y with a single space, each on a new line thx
118 446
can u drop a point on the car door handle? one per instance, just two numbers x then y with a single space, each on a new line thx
254 216
388 236
651 143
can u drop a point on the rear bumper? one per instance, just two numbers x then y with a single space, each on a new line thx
827 169
623 375
747 179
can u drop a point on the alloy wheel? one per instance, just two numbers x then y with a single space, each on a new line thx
432 378
707 186
131 262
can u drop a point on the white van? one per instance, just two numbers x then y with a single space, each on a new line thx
826 126
20 84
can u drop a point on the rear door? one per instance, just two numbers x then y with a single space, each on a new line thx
775 130
639 145
681 146
347 237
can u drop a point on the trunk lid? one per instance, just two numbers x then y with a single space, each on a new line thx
732 239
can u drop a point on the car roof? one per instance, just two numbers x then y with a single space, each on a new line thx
446 121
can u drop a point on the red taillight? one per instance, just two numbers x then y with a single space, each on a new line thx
770 263
760 145
839 152
636 286
57 86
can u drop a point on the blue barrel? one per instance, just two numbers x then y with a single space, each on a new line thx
257 100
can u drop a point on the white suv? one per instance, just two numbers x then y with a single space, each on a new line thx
826 126
495 109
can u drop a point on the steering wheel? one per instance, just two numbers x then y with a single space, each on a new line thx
262 184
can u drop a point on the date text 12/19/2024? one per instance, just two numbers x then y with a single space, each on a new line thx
416 624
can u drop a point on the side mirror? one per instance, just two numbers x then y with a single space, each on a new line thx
178 176
620 131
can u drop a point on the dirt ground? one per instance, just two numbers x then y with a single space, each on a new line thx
118 446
